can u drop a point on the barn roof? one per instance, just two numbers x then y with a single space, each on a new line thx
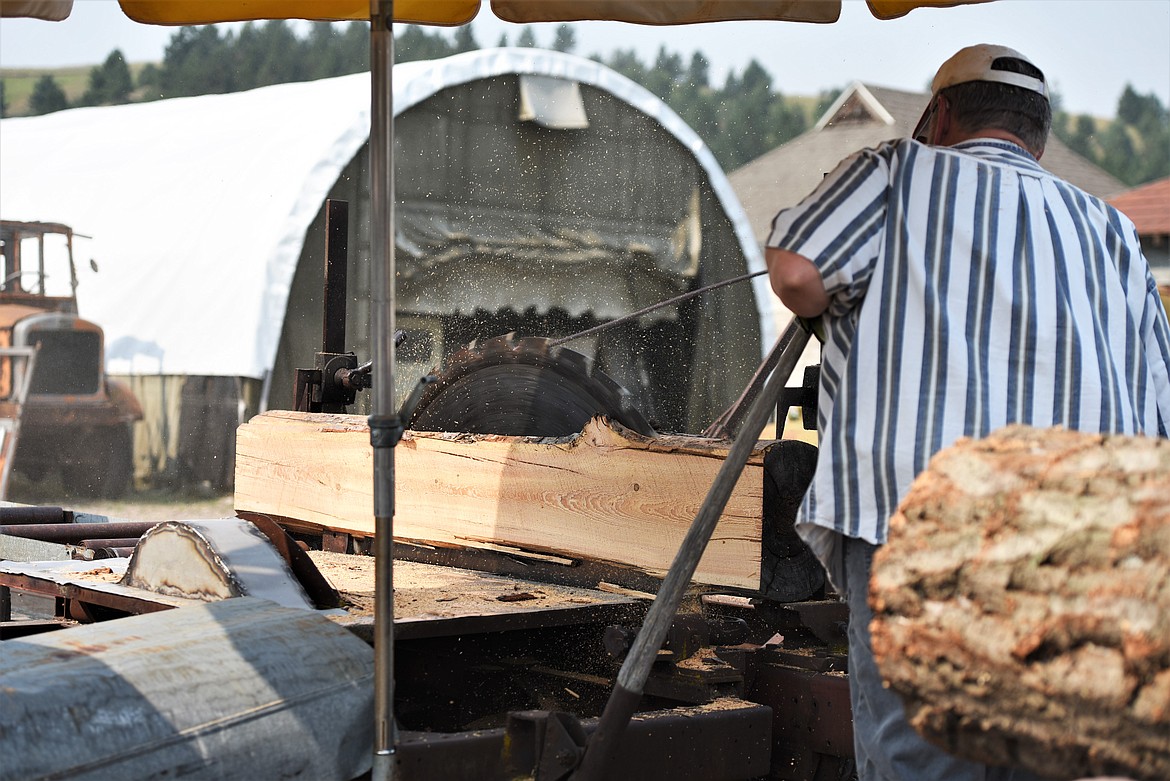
865 115
198 207
1148 206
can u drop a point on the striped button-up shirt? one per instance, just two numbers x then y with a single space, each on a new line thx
969 288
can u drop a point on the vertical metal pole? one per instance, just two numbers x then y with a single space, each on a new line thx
336 276
383 421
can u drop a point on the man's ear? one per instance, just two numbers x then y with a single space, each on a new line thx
943 119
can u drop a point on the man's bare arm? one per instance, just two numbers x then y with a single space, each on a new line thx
797 281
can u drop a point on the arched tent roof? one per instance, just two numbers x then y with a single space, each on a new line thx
198 206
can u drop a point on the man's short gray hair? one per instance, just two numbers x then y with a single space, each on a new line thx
1025 114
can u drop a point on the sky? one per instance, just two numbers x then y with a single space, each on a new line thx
1089 49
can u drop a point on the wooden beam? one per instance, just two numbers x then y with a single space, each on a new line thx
606 494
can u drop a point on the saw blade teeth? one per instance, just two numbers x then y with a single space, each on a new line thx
536 344
523 386
502 348
576 361
612 385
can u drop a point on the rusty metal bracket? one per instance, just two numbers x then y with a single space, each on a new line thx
333 382
548 744
386 430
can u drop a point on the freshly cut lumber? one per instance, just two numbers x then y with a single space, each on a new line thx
1022 605
606 494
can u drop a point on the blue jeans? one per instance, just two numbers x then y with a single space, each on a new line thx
886 747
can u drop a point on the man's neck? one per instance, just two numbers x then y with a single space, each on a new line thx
958 136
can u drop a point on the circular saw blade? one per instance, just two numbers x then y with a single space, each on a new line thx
522 387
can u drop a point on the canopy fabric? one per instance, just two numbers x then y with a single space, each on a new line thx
180 12
199 206
456 12
49 10
656 12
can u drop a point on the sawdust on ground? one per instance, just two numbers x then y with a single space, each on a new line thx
428 590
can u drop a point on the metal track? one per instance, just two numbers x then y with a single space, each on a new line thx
522 387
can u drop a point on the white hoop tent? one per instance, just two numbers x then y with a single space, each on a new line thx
534 188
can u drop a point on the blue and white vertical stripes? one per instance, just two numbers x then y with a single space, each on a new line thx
969 289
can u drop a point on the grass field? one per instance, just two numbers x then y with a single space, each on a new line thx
147 505
19 84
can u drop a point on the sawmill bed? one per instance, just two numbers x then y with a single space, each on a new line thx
436 601
429 600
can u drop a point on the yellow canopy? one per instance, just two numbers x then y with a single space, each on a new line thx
456 12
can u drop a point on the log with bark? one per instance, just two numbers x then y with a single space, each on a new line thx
1022 605
607 494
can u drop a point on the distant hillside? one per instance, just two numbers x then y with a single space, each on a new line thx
19 83
742 118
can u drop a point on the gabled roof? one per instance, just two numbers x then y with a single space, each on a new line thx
863 116
1148 206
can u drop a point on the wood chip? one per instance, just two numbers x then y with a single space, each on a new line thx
520 596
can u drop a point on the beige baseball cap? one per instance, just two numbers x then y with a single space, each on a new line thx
974 64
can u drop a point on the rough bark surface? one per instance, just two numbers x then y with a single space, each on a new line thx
1022 605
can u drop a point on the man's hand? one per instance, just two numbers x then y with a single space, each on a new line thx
797 281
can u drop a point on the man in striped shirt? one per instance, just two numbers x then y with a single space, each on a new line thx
961 287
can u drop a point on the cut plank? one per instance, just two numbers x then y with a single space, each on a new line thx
606 494
1022 605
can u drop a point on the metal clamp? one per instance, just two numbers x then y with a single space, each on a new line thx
387 430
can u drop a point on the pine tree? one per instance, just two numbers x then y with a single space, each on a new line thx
1118 154
699 71
148 81
47 97
565 39
323 52
198 61
626 62
109 83
465 40
1081 137
666 73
